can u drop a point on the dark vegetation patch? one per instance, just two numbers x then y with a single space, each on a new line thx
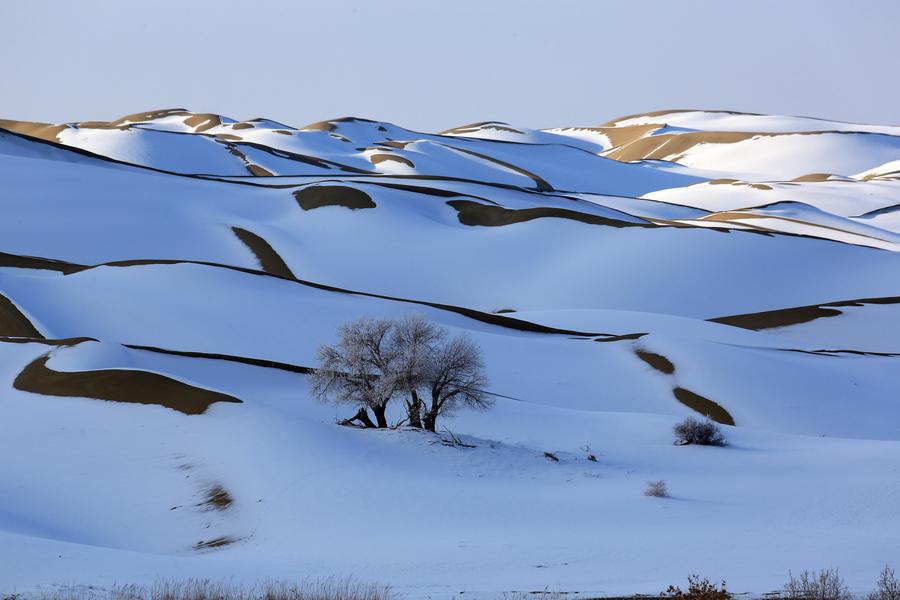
476 213
657 361
118 385
13 322
794 316
317 196
704 406
269 259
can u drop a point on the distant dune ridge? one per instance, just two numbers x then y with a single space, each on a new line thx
166 278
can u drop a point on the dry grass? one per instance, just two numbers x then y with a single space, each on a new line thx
206 589
657 489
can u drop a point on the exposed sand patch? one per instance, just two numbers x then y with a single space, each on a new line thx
380 158
217 498
256 362
214 543
317 196
476 213
47 342
300 158
43 131
619 136
258 171
418 189
34 262
493 319
540 184
13 323
657 361
659 113
783 317
663 146
620 338
812 177
203 121
269 260
473 127
151 115
704 406
118 385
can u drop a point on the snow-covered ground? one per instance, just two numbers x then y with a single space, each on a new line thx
180 263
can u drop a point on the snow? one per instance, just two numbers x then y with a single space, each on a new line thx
98 492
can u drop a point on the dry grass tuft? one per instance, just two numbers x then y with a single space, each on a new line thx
657 489
205 589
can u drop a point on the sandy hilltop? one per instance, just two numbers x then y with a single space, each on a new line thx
166 278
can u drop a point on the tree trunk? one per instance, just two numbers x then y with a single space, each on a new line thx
414 408
430 421
362 416
379 416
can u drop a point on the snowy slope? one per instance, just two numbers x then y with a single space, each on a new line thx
165 280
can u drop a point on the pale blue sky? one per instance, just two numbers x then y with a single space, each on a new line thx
431 65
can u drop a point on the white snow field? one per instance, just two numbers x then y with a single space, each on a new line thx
166 278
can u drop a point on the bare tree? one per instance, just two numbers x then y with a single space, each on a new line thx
826 584
415 341
887 587
455 378
376 360
360 370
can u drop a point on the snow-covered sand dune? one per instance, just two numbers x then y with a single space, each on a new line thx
165 279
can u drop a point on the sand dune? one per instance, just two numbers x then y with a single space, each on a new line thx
166 279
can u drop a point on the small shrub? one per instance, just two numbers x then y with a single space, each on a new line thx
826 584
887 587
698 589
657 489
590 454
701 433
